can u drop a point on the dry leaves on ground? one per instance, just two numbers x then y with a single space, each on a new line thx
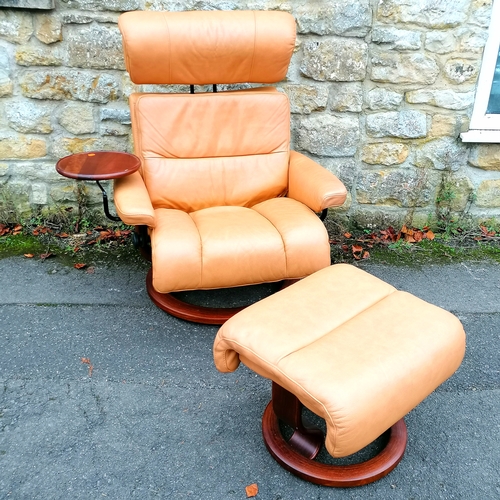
252 490
360 249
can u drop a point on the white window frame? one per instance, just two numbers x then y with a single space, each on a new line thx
486 127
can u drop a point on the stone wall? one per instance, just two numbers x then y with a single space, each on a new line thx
380 91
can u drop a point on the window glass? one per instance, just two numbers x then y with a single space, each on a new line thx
494 101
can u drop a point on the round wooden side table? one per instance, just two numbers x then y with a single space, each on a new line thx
99 166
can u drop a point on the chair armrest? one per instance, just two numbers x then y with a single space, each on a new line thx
132 200
313 185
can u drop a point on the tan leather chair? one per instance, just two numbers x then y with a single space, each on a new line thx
225 201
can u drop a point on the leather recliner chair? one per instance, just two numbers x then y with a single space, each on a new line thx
224 200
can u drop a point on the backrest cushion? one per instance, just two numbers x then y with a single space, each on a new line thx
204 47
212 149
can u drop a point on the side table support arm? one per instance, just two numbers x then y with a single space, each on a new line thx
105 204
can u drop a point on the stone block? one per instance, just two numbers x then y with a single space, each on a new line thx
485 156
400 188
481 13
461 189
447 99
48 28
15 26
95 46
394 67
70 84
305 98
461 70
6 85
32 55
28 4
385 153
64 146
342 17
37 171
440 42
437 14
29 117
77 118
114 129
346 97
380 98
488 194
406 124
442 154
113 5
328 135
118 115
471 39
38 195
21 147
86 17
339 60
346 169
397 39
115 121
445 125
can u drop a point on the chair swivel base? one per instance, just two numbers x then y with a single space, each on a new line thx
297 454
191 312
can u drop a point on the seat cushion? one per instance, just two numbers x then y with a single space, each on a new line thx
222 247
353 349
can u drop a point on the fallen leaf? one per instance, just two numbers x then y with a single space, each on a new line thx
91 270
44 256
345 248
418 236
429 235
366 254
357 248
80 265
87 362
252 490
29 255
18 227
62 235
347 235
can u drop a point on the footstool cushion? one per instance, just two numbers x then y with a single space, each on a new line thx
352 348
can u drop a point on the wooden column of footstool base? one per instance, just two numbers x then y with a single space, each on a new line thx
297 454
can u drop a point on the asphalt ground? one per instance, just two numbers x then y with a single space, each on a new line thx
155 419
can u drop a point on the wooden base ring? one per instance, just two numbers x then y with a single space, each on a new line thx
191 312
333 475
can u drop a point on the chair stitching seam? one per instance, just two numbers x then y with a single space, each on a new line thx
281 236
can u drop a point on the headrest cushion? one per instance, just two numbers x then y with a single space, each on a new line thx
206 47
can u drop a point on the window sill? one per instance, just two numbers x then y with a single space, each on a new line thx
492 136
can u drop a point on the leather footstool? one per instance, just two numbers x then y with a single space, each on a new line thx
355 351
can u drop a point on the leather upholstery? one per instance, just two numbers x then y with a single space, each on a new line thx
235 144
216 167
233 246
313 185
207 47
342 341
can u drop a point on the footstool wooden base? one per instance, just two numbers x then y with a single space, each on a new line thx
298 453
352 349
